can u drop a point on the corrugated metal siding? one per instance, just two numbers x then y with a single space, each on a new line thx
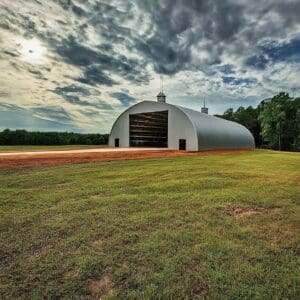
217 133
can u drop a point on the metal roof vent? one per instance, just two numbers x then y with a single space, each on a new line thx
204 109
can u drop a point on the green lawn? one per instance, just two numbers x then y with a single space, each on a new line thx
43 147
219 226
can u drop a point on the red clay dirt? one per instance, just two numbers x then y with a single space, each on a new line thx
27 161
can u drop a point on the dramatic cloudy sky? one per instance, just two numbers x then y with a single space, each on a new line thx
76 64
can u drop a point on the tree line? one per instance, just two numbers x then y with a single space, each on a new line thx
275 123
23 137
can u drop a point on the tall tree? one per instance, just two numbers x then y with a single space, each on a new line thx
278 120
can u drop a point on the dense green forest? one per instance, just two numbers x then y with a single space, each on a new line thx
275 123
23 137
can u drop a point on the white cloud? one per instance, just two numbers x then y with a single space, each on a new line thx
128 42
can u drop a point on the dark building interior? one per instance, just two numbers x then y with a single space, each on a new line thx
149 129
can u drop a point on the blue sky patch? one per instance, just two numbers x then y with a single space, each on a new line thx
273 53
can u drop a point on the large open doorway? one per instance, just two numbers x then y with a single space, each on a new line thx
148 129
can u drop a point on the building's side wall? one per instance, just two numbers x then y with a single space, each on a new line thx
216 133
179 126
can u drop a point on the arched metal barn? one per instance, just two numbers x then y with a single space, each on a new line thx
162 125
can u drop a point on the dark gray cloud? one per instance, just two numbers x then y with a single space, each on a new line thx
73 89
73 93
125 44
54 113
124 98
94 75
9 107
78 11
214 26
173 30
10 53
258 61
76 100
178 28
78 54
227 69
96 63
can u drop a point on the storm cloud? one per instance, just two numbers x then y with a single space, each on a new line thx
73 94
83 55
124 98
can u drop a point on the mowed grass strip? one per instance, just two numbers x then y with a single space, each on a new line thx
220 226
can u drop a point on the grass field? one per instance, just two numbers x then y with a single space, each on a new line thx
43 147
219 226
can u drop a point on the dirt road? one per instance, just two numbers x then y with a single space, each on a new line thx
12 160
75 151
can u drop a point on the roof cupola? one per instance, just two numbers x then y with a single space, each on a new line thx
161 97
